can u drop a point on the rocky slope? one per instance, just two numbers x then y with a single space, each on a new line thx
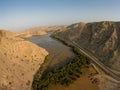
102 39
19 61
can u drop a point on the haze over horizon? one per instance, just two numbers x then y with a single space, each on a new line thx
21 14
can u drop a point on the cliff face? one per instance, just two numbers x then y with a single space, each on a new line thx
102 39
19 61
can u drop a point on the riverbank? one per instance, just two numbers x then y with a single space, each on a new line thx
57 50
65 75
45 80
85 82
19 61
105 81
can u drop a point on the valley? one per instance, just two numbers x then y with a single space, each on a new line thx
70 58
64 55
59 45
96 39
58 52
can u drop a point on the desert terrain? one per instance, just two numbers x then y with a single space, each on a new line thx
100 40
38 31
19 61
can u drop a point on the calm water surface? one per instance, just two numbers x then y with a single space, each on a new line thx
57 50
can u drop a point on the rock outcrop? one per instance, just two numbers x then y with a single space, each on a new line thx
19 61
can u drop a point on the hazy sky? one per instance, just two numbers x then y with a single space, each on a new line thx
21 14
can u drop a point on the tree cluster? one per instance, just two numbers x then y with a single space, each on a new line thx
65 75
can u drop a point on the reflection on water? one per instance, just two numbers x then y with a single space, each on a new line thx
58 51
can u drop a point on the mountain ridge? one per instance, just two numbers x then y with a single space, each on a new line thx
99 38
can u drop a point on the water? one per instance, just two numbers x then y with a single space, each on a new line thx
57 50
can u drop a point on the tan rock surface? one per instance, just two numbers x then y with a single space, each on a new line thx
19 61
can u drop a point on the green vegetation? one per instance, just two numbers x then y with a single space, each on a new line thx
63 41
76 51
64 75
41 70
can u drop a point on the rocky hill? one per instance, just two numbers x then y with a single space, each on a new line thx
19 61
102 39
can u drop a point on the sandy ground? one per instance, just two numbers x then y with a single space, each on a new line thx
19 61
85 82
91 79
106 82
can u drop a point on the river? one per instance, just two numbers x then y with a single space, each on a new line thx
59 52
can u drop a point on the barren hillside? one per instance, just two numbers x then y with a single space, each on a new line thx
38 31
102 39
19 61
